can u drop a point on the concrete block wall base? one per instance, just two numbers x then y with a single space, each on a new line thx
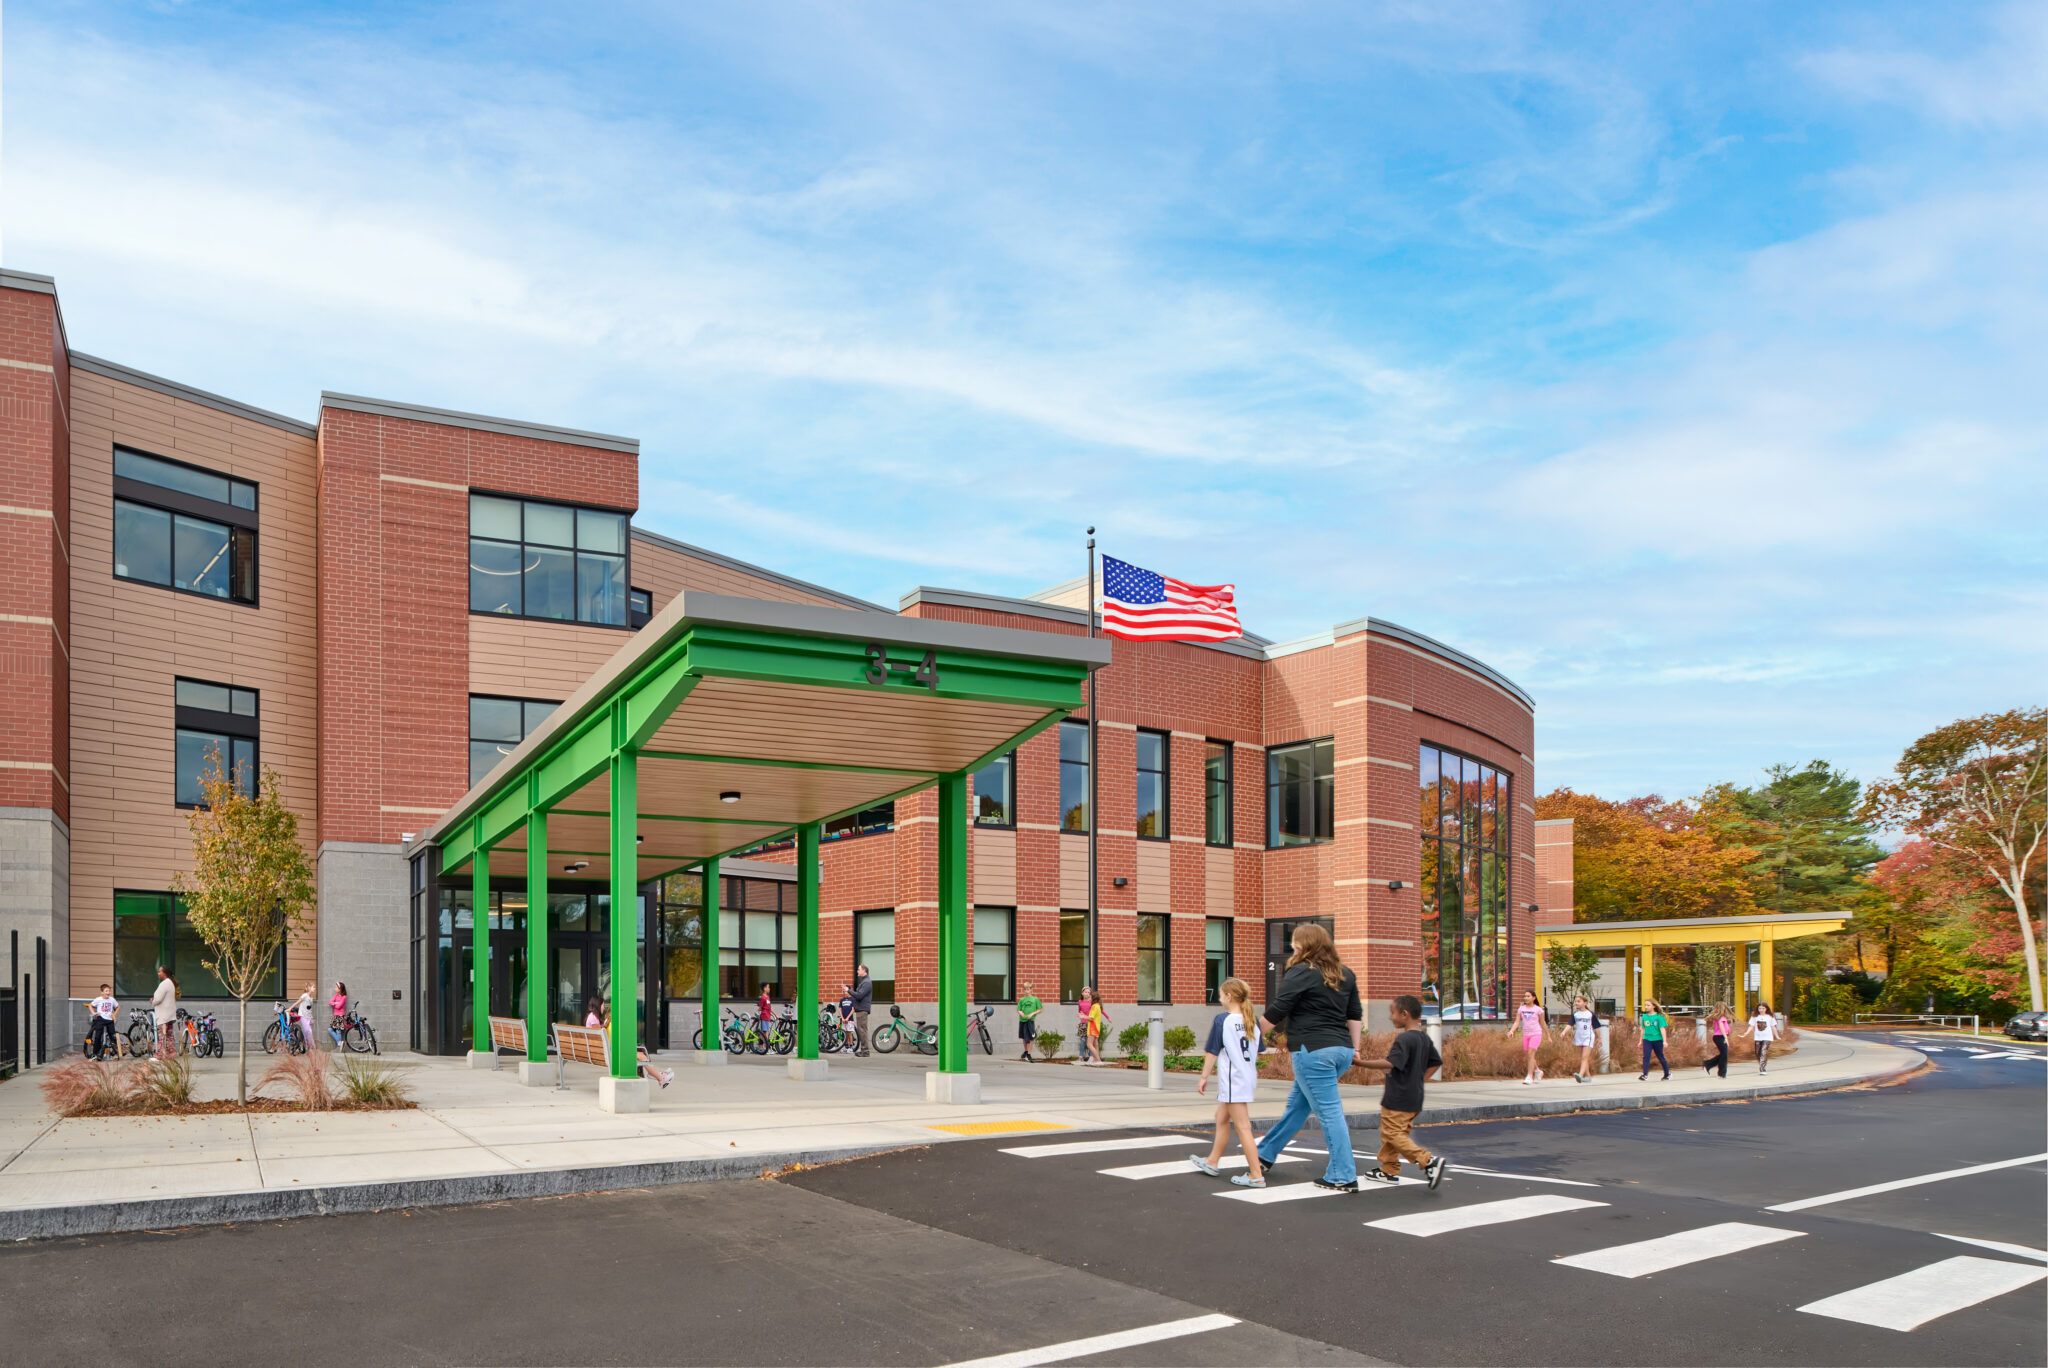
483 1059
537 1075
622 1094
807 1070
960 1089
708 1059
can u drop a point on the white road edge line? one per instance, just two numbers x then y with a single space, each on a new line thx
1827 1197
1100 1344
1525 1177
2001 1246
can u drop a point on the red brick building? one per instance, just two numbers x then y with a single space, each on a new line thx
379 602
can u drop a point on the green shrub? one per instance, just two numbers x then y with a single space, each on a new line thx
1132 1039
1049 1043
1180 1042
367 1081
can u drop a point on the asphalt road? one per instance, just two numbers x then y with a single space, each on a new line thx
960 1251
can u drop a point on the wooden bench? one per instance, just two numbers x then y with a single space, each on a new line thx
508 1033
593 1045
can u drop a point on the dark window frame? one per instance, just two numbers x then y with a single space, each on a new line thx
1075 916
626 558
1318 820
861 823
469 725
735 901
1165 773
242 525
1082 729
1229 782
1229 954
636 616
1162 951
1009 759
862 947
975 942
167 948
1489 972
228 727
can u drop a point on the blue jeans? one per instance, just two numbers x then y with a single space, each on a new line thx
1315 1090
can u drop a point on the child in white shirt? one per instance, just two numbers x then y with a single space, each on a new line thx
1232 1057
1763 1028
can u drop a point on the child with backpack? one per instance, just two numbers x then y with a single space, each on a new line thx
1231 1056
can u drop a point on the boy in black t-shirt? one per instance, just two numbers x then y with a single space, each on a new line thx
1409 1060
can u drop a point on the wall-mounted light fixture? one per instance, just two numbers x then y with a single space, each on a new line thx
1533 907
1395 885
1119 882
729 796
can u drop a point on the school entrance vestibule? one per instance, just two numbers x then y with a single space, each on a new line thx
725 723
1280 946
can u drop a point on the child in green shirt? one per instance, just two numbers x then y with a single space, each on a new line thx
1028 1008
1655 1023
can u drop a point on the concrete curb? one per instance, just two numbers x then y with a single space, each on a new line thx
106 1218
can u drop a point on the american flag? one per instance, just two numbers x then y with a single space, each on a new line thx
1138 605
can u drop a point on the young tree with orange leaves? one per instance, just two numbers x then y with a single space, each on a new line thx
1648 858
1978 789
250 886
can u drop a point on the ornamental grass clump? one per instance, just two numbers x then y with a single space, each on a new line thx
162 1084
77 1086
368 1083
305 1077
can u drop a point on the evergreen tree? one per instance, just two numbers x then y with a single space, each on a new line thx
1812 849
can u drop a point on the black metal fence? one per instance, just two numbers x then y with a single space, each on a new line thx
10 1040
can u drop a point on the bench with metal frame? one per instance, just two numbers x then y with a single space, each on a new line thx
508 1033
592 1045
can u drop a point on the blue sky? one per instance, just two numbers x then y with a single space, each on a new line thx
1684 362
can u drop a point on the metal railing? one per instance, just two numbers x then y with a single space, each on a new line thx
1915 1018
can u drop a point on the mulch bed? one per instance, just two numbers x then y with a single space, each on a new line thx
227 1106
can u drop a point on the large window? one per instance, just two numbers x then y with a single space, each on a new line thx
1301 790
152 929
874 944
1155 959
184 528
1153 823
214 719
681 908
543 560
757 938
1219 957
995 792
1217 792
497 726
866 822
1073 955
1073 776
1464 821
995 954
639 608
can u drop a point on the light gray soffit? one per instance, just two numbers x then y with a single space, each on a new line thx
510 427
1437 648
27 280
1248 646
684 548
235 408
733 867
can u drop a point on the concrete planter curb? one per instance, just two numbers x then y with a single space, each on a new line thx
106 1218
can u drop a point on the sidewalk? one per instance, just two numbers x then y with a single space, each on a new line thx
479 1136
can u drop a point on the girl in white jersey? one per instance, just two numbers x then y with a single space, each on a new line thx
1232 1057
1585 1025
1763 1028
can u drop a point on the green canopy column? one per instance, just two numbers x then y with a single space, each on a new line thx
481 1055
624 1089
951 1082
538 974
713 1049
807 1064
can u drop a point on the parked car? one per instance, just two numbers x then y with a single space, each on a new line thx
2028 1026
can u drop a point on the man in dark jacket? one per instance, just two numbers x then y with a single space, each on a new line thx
863 1003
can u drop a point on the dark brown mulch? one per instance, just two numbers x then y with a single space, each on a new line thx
227 1106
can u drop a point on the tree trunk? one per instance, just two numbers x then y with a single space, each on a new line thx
2019 903
242 1058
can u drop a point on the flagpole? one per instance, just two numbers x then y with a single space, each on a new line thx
1094 941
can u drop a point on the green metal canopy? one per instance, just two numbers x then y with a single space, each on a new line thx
729 721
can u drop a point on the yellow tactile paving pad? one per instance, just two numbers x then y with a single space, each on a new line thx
999 1127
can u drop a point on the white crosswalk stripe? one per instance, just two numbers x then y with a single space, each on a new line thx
1910 1300
1102 1146
1427 1223
1675 1251
1301 1192
1182 1167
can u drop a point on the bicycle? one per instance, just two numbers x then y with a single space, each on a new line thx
896 1030
285 1031
782 1033
979 1021
141 1036
201 1035
744 1033
120 1046
356 1032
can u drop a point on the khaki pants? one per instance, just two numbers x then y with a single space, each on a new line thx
860 1032
1397 1144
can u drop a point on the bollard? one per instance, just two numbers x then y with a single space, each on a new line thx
1436 1038
1155 1051
1601 1052
1699 1030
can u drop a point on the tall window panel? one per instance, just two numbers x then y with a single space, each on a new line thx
544 560
1217 792
151 929
867 822
1155 945
214 720
1073 954
874 944
1153 751
1073 776
1219 957
497 726
995 954
1464 819
995 793
1301 793
180 527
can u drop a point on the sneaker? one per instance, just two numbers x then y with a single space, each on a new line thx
1337 1187
1246 1180
1539 1075
1379 1178
1642 1078
1434 1171
1205 1166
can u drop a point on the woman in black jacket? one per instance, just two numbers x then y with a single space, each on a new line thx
1317 1003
